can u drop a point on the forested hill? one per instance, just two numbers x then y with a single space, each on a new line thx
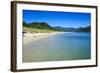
38 25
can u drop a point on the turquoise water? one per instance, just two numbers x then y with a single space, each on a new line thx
59 47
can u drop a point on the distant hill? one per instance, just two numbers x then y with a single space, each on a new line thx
81 29
85 29
45 26
65 29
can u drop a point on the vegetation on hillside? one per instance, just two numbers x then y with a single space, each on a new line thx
39 27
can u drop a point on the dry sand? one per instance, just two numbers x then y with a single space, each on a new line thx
29 37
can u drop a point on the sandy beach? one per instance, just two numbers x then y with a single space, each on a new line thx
29 37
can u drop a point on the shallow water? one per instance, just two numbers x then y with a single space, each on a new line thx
62 46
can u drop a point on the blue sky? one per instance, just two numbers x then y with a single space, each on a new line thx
62 19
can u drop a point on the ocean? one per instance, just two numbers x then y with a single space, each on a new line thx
59 47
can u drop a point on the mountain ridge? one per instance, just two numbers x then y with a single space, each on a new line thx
46 26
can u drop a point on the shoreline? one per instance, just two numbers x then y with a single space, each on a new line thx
29 37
